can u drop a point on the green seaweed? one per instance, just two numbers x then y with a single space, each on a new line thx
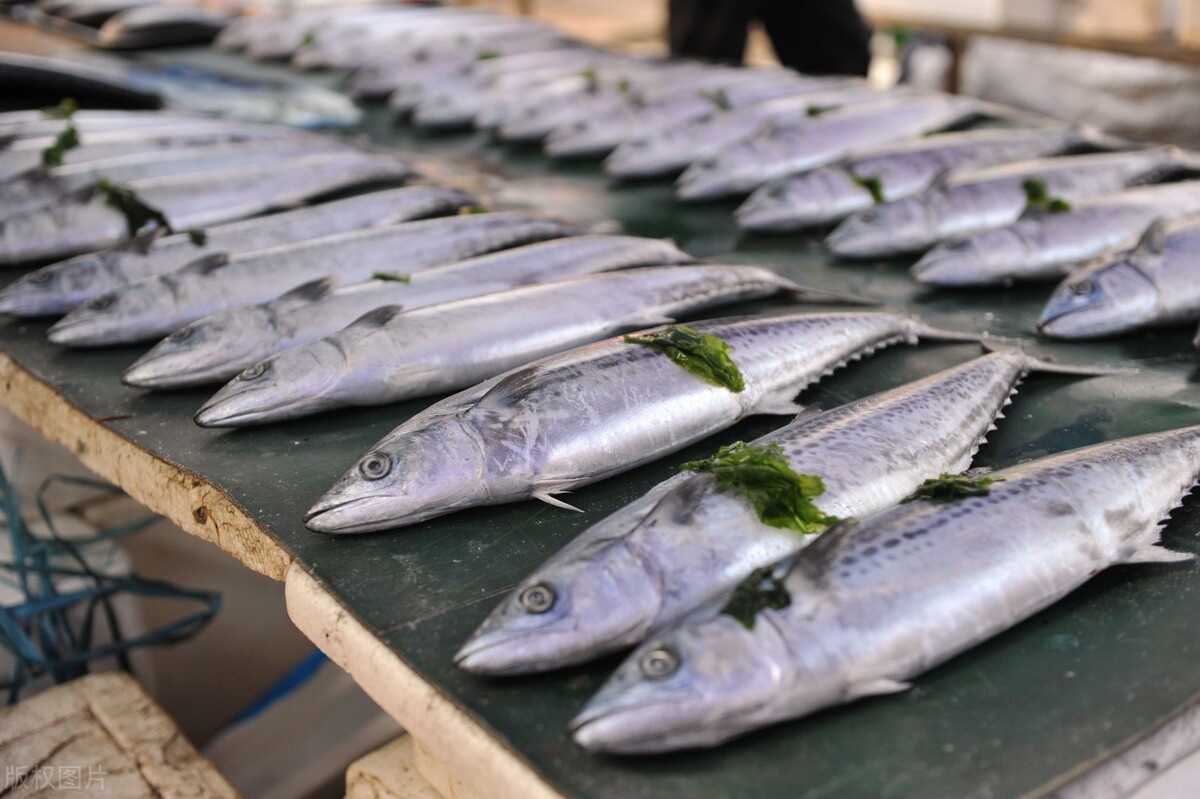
949 487
758 592
819 110
68 139
781 496
873 184
1037 198
702 354
395 277
197 236
138 214
718 98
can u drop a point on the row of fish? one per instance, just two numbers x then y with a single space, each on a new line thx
1015 200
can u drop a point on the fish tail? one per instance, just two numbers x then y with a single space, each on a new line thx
1046 366
808 294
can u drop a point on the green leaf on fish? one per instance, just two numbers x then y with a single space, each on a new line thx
873 184
624 85
197 237
395 277
138 214
719 98
488 55
309 40
592 78
702 354
1037 198
758 592
68 139
761 473
470 210
818 110
949 487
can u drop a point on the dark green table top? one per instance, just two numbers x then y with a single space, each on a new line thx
1007 719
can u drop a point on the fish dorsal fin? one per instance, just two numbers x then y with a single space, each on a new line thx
809 411
143 242
312 291
378 317
205 265
1153 242
679 504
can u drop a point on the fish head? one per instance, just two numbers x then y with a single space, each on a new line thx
1106 298
888 229
580 605
697 685
208 350
408 477
296 382
57 288
708 177
131 313
811 199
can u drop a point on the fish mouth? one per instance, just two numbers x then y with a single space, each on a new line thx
84 332
611 728
344 516
942 267
231 410
174 370
497 653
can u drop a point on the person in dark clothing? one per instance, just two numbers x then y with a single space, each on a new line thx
818 37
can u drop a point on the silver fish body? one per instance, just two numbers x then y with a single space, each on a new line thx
43 187
672 149
905 169
15 125
872 605
775 151
1158 283
690 541
155 306
990 198
390 356
1042 246
218 347
575 418
59 287
85 222
599 136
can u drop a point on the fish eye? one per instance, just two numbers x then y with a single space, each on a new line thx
869 216
658 664
253 372
956 245
537 598
1083 288
100 303
38 278
375 466
182 334
776 192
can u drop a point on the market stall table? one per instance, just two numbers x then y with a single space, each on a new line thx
1018 716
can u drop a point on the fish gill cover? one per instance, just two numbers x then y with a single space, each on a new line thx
781 496
947 487
702 354
763 589
68 139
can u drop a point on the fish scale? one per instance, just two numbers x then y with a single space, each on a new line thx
578 417
687 541
873 604
155 306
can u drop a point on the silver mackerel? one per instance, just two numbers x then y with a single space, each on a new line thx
575 418
869 606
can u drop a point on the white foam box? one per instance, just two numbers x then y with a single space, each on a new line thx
1127 20
968 13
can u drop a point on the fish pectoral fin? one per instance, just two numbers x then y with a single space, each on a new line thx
779 404
876 687
547 496
1155 553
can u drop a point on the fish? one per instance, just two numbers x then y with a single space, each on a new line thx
1157 283
25 154
892 172
599 136
156 306
777 150
218 347
978 200
873 604
60 287
41 187
390 355
689 541
16 125
85 222
671 149
578 417
1045 244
